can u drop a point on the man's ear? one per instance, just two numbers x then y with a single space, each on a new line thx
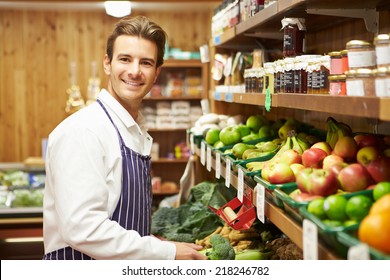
107 65
157 73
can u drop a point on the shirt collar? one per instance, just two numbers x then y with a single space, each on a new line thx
116 108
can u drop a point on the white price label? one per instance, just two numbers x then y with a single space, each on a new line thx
310 240
203 153
227 174
260 198
217 165
240 185
192 144
359 252
208 161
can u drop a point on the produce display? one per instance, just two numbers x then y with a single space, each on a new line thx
333 176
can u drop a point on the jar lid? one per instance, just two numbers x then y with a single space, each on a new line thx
337 77
358 44
381 71
382 38
335 53
363 72
350 73
300 22
344 52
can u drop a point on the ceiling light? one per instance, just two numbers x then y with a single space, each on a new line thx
118 8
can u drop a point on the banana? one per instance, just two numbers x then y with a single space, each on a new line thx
303 143
336 130
255 165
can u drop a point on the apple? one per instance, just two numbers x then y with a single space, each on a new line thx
289 157
367 154
315 181
323 146
337 167
280 173
331 160
230 135
254 122
379 169
313 157
296 167
300 197
354 177
366 139
212 136
346 147
243 129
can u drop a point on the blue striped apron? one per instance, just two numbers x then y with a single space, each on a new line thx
133 211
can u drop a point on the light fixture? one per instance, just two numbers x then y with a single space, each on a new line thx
118 8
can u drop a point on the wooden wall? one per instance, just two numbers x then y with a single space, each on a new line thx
37 48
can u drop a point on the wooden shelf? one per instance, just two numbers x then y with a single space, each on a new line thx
366 107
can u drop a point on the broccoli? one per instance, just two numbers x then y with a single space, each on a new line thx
221 249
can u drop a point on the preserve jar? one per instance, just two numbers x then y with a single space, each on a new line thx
361 54
360 82
382 50
344 61
380 75
288 75
335 63
294 30
337 85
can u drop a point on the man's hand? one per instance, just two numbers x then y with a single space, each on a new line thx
188 251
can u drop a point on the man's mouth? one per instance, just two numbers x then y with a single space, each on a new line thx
133 83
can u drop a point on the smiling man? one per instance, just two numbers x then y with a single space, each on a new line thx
97 202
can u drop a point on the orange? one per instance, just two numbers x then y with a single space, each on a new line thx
381 205
358 207
374 230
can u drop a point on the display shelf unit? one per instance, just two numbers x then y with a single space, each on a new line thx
277 216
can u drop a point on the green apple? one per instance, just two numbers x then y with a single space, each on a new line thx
230 135
255 122
243 129
265 131
218 144
212 136
239 148
250 137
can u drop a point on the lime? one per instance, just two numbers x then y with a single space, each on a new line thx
334 206
380 189
358 207
333 223
349 223
316 207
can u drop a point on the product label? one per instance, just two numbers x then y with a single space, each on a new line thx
361 59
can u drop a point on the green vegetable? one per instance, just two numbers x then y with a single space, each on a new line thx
253 254
221 249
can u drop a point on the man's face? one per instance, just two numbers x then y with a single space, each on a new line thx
132 70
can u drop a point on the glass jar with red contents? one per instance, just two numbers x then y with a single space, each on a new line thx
294 36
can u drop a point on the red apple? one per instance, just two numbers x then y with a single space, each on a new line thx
330 161
367 154
379 169
354 177
346 147
289 157
280 173
313 157
323 146
317 181
337 167
296 167
366 139
305 197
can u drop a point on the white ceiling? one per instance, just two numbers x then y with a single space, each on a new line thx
99 5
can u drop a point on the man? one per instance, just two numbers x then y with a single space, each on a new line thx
97 202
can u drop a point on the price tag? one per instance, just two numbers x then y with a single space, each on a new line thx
359 252
310 240
208 161
192 144
240 185
217 165
227 174
203 153
217 96
229 97
260 198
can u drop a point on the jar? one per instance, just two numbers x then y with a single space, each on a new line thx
335 63
382 50
313 65
269 77
344 61
288 75
360 82
380 75
247 80
255 80
337 85
361 54
277 74
294 30
260 80
301 74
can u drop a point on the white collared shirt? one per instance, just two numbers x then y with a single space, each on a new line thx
84 181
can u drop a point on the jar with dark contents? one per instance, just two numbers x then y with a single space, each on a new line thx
288 75
260 80
294 31
278 78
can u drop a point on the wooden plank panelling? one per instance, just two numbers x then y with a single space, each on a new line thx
37 48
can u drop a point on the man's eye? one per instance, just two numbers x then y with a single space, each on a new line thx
124 59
